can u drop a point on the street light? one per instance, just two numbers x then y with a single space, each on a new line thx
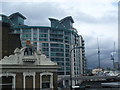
71 64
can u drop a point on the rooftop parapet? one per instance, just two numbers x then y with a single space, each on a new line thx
66 22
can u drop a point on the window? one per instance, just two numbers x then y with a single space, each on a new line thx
35 35
56 40
67 68
34 30
20 21
56 45
62 68
67 46
57 54
26 31
43 30
46 81
67 50
7 82
67 55
67 59
67 64
45 49
35 43
56 32
26 35
60 73
35 39
56 36
67 33
45 44
43 35
57 50
67 73
57 59
66 38
43 39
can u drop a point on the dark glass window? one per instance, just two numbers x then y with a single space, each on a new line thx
46 81
56 45
45 44
43 30
45 49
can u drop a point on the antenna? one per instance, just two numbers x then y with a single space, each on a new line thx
98 54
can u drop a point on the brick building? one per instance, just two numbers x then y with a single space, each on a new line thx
8 41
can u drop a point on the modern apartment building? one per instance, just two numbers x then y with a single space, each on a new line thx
82 56
55 41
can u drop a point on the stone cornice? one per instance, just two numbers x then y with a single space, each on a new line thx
28 66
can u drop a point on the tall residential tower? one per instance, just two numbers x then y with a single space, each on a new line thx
55 41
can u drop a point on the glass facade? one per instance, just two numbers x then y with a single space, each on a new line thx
55 41
56 44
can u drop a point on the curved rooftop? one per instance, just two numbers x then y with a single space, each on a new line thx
17 14
63 24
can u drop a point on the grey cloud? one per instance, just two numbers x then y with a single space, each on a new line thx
36 13
105 60
105 19
106 47
42 11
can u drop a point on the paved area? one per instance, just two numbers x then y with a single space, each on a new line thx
95 86
92 85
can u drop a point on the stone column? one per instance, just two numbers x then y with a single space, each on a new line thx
63 83
13 81
34 80
24 80
51 80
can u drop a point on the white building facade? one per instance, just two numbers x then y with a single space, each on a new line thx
28 69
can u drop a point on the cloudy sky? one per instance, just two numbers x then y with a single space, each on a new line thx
93 19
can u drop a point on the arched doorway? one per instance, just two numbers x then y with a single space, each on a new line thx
29 82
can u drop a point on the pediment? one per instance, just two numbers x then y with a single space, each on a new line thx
21 58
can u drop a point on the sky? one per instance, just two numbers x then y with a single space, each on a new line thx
94 20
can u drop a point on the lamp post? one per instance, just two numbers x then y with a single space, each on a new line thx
71 64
